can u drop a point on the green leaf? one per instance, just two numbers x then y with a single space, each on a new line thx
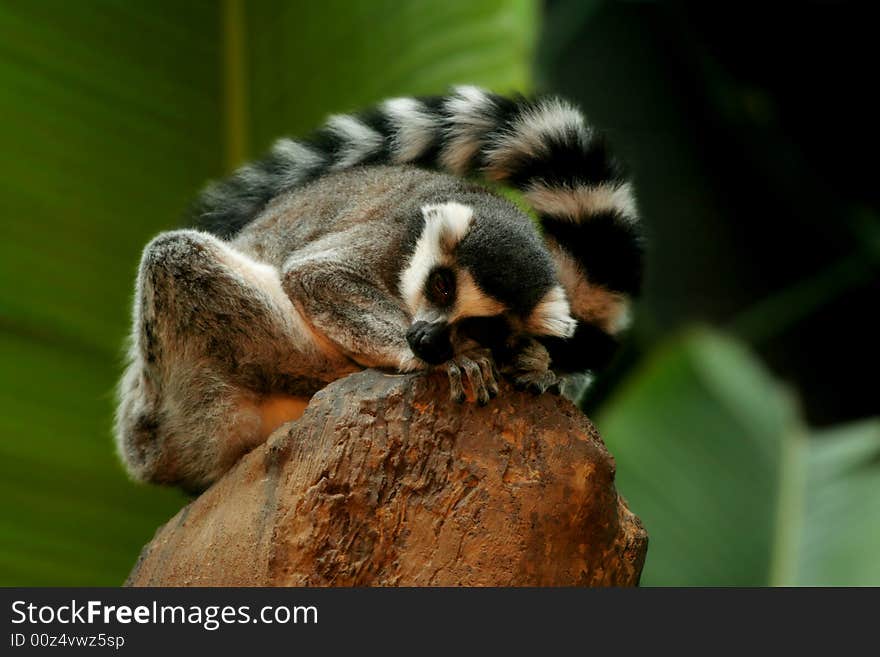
838 539
108 125
713 456
306 59
114 115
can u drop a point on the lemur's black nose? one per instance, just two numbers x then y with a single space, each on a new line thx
430 341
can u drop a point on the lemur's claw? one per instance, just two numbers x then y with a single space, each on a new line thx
479 369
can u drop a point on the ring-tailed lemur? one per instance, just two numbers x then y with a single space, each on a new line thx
365 246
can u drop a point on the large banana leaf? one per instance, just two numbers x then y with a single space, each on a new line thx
733 489
306 58
113 115
108 124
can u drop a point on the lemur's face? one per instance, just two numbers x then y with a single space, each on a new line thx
470 263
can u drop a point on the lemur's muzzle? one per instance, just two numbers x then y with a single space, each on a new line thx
430 341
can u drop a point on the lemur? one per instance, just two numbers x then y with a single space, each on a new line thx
366 245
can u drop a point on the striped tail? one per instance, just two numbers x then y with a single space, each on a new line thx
542 147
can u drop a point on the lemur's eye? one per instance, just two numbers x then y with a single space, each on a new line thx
441 287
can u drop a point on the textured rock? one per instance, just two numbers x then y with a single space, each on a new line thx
385 482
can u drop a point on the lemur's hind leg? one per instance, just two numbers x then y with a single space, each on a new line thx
212 333
352 312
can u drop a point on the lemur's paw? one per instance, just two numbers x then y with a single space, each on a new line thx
538 382
478 367
530 369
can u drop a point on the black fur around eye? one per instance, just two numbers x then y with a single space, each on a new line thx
440 288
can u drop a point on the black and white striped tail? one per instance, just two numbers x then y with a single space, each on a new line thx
542 147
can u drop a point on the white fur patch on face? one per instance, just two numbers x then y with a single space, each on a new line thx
359 140
445 226
578 203
450 221
552 315
592 303
299 160
551 120
470 118
414 128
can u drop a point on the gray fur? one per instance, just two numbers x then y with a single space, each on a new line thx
301 281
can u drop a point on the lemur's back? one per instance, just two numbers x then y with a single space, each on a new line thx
384 198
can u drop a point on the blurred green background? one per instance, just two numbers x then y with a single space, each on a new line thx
742 412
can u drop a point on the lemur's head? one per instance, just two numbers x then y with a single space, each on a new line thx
479 257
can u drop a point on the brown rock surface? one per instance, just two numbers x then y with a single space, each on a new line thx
385 482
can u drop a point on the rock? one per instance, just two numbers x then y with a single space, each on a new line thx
383 481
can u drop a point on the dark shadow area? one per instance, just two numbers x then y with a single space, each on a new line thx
752 135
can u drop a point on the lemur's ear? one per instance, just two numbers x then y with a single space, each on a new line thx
552 315
590 301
